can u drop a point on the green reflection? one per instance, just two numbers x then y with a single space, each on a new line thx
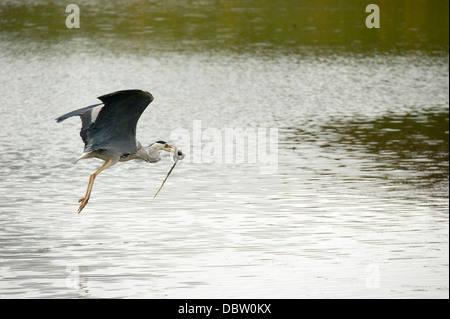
237 25
418 143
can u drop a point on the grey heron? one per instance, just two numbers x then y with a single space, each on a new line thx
108 130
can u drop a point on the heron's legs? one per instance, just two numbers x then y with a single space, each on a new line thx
86 197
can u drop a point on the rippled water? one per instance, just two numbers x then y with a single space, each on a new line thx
357 207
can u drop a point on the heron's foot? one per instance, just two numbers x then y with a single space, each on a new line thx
83 202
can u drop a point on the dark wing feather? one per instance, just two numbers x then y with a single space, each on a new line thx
115 125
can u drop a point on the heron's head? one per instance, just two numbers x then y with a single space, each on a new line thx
163 146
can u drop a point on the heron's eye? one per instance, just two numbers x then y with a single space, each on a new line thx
166 145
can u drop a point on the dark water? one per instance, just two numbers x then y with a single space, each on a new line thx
357 205
237 25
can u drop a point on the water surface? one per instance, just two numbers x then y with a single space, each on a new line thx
358 204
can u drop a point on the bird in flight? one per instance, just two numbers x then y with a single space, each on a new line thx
108 130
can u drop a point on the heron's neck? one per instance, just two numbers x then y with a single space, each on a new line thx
153 153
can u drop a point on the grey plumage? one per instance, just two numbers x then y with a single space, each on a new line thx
108 131
113 122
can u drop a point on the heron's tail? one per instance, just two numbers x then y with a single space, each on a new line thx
82 156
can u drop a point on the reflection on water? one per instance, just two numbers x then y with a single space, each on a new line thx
414 142
358 206
237 25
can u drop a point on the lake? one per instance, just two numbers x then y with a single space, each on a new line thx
349 201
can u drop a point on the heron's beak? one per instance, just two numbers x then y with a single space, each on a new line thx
169 148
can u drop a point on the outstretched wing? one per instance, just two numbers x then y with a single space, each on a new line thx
113 123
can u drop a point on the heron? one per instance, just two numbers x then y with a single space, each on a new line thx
108 130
